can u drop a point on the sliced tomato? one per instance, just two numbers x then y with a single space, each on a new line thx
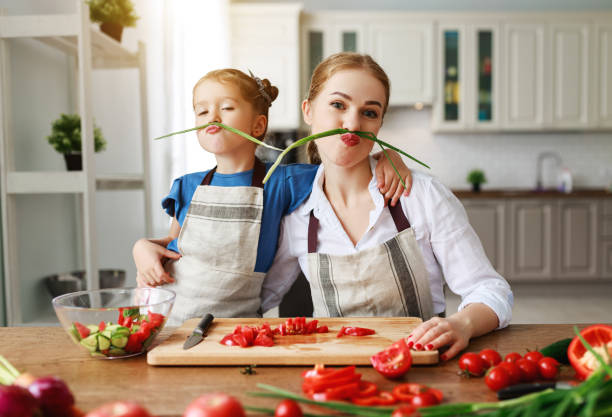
101 326
249 336
156 319
599 336
394 361
322 329
240 340
354 331
228 340
83 330
263 339
134 343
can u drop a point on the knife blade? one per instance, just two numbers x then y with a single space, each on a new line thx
519 390
199 332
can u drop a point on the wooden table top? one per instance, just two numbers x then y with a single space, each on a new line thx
166 391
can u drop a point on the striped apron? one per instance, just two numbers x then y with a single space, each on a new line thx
218 242
385 280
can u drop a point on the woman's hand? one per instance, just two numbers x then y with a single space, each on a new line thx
389 184
148 257
438 332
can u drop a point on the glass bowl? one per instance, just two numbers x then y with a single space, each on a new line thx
116 322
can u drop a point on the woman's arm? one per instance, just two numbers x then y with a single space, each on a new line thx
486 296
150 255
388 181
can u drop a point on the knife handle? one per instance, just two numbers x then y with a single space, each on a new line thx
518 390
204 323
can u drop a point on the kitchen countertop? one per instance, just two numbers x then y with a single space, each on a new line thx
166 391
527 193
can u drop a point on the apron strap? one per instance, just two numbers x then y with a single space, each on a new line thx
399 218
259 172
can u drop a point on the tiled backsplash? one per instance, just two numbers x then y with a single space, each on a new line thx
508 159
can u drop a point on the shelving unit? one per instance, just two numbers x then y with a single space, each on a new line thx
74 35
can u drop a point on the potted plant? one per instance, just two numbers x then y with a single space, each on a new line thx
476 177
113 16
66 139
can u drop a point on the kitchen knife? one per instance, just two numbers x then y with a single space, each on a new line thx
199 332
518 390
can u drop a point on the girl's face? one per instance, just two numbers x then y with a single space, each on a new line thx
352 99
223 102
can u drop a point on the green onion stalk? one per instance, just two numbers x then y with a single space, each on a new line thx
303 141
592 398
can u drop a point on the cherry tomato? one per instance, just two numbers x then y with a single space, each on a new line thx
512 357
529 369
497 378
549 368
424 399
288 408
119 409
214 405
533 356
406 411
472 364
514 372
490 356
394 361
599 336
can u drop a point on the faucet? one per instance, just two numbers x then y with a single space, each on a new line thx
541 157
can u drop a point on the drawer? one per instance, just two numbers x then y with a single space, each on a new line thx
607 207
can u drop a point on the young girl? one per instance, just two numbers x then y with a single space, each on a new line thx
362 259
225 237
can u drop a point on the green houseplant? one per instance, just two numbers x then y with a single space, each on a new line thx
476 177
65 138
113 16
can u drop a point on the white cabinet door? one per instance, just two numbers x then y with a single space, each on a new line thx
603 59
524 80
404 49
571 72
265 39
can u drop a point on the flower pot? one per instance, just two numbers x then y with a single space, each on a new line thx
476 187
74 162
114 30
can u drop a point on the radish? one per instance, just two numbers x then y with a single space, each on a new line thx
49 392
16 401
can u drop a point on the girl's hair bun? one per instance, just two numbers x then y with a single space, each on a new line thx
270 90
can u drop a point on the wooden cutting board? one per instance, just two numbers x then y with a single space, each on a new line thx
323 348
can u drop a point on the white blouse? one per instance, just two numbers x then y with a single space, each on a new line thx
451 249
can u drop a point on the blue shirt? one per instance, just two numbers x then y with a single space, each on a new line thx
285 190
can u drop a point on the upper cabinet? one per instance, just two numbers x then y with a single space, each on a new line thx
264 40
403 46
603 59
467 75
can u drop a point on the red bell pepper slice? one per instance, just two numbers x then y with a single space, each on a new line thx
382 398
405 392
599 336
341 392
367 389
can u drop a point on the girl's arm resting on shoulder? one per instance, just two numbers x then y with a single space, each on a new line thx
149 256
282 274
388 181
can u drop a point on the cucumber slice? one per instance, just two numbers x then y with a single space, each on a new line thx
107 333
92 328
116 352
121 330
97 355
112 327
74 334
557 350
103 342
90 343
119 340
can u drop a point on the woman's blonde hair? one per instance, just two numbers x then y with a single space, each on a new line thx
339 62
259 93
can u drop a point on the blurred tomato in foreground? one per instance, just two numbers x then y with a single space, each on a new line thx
214 405
119 409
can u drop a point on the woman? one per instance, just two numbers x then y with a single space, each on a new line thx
363 259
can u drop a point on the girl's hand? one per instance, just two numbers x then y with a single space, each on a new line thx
148 257
388 181
437 332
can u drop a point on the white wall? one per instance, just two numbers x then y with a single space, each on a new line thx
508 159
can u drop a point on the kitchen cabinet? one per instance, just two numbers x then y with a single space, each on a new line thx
525 75
401 44
467 76
606 237
603 60
404 48
264 40
488 218
531 225
571 69
578 239
89 49
606 258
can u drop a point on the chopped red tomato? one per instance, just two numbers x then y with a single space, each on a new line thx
394 361
599 336
354 331
101 326
83 330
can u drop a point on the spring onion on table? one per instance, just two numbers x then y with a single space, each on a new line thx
303 141
592 398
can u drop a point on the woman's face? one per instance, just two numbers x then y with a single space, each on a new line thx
223 102
352 99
